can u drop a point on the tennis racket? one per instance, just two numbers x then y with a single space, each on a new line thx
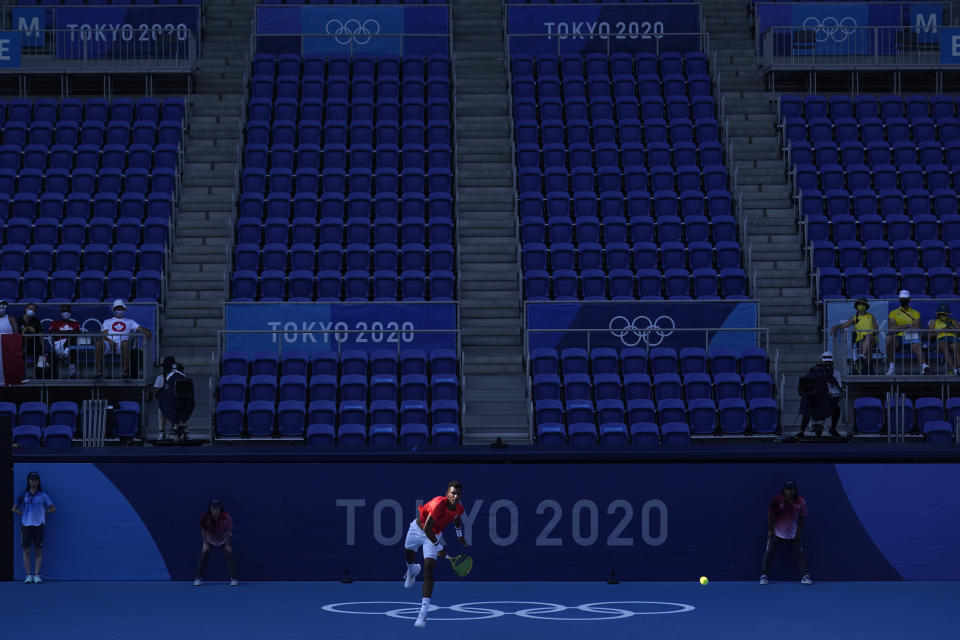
462 564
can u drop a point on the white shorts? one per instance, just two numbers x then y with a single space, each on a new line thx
416 538
113 346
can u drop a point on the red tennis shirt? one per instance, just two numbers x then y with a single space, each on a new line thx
442 516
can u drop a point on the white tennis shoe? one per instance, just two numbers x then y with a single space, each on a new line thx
29 579
420 623
806 579
763 579
413 571
37 579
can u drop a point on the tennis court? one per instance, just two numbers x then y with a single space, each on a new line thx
475 610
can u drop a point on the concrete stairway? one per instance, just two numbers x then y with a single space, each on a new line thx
763 190
490 300
197 283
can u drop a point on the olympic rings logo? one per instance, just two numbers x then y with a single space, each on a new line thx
615 610
831 28
641 329
352 30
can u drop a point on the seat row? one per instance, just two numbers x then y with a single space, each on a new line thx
885 282
666 228
359 66
617 425
931 416
291 419
880 253
866 228
354 230
90 156
343 88
354 285
80 231
85 286
875 154
433 110
82 205
652 360
624 132
886 202
392 362
877 178
359 156
93 110
355 205
663 387
868 130
612 206
355 255
631 178
75 257
323 132
338 180
866 106
610 156
71 133
380 387
615 64
621 109
108 182
645 284
627 86
620 255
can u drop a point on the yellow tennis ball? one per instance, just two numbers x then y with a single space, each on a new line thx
704 581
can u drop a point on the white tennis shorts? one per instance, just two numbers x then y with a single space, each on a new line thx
416 538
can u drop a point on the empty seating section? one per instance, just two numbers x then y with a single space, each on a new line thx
103 2
638 395
56 424
877 181
932 417
382 398
87 191
622 189
347 185
354 1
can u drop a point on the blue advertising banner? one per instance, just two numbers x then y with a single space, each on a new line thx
353 30
950 45
125 32
834 25
839 311
139 521
30 22
639 324
9 49
318 326
602 28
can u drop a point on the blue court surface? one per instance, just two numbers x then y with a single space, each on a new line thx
494 610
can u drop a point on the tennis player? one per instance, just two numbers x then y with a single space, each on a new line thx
426 532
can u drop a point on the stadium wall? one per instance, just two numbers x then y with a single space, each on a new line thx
311 520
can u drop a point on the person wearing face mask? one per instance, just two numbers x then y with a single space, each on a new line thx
31 329
115 337
7 324
865 328
904 317
65 326
946 329
820 392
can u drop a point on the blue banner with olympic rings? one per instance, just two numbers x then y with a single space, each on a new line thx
677 324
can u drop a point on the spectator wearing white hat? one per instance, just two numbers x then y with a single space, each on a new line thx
901 318
115 337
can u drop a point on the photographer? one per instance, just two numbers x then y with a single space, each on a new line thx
175 398
820 391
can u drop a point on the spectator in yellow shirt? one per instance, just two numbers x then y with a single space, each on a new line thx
946 329
865 328
901 318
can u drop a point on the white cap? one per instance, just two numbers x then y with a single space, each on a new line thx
904 293
826 356
118 303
